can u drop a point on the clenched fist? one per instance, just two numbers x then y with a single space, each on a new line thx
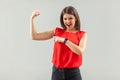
58 39
35 14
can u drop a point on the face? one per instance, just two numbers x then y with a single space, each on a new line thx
69 21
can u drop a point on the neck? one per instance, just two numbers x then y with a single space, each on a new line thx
72 30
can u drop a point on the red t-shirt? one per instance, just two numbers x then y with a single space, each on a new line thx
64 57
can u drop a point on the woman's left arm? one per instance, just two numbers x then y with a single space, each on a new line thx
82 45
78 49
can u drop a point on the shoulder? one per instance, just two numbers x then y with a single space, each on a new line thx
85 34
82 34
82 31
58 30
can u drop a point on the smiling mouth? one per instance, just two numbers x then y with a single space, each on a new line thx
68 25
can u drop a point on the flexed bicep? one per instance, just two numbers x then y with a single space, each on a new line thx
44 35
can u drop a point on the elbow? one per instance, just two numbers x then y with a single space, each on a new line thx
80 52
33 37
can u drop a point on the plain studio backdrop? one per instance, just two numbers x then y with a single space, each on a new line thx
22 58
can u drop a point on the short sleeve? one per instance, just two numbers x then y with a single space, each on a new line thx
58 31
80 34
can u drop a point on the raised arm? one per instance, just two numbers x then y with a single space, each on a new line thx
39 35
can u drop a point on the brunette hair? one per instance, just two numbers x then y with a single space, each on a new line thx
70 10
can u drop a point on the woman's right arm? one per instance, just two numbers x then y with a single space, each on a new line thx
39 35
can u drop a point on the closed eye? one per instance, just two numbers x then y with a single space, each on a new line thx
64 18
70 18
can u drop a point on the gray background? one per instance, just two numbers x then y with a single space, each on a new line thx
24 59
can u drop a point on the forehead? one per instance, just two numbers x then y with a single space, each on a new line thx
67 15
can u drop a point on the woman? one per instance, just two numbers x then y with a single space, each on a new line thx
69 44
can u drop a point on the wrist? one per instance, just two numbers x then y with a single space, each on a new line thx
65 40
32 17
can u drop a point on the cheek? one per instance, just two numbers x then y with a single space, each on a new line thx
64 22
73 22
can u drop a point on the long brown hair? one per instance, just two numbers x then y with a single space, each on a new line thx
70 10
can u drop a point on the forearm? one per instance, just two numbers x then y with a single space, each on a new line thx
75 48
32 29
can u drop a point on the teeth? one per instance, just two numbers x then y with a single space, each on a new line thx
69 24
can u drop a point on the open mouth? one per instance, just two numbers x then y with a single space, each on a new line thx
68 25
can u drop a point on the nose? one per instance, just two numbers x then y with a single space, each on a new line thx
67 21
